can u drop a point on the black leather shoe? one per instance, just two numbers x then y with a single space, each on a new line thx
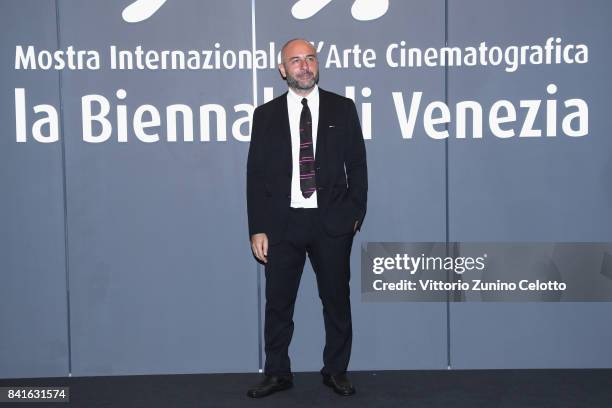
340 384
271 384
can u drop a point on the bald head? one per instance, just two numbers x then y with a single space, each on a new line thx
290 45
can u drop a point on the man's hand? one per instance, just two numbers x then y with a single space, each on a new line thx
259 245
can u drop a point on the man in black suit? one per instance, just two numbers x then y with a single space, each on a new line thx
306 194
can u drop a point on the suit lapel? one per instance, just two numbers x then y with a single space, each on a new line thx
285 133
322 127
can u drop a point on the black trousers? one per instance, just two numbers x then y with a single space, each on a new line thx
330 260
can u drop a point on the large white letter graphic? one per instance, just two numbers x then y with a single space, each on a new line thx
140 10
407 124
86 102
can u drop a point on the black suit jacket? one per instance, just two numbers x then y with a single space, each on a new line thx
341 194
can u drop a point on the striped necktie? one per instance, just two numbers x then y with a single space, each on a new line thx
307 168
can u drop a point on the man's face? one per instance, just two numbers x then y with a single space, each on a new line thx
300 66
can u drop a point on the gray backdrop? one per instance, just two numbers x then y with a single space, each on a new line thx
133 258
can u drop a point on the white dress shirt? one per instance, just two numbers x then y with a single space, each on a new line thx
294 108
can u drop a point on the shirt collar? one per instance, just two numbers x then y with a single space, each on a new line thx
312 98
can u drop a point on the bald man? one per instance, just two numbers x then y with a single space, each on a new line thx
306 195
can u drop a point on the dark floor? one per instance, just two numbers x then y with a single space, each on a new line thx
422 389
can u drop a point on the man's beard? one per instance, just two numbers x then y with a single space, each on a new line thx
295 83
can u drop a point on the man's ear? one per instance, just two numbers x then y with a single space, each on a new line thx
281 69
